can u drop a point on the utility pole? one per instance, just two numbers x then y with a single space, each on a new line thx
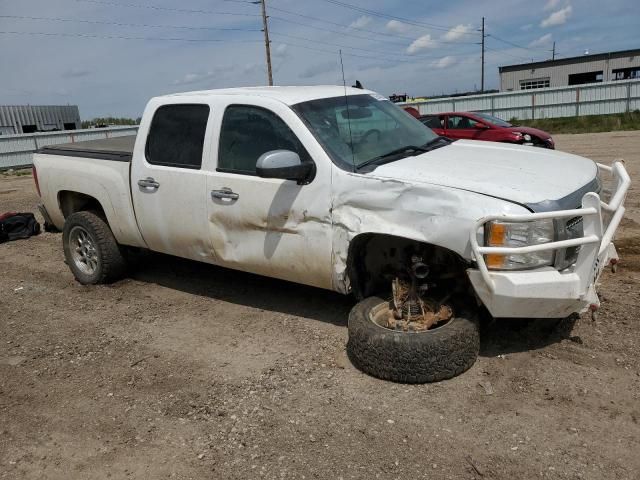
482 76
267 45
553 52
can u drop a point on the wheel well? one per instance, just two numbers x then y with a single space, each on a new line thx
72 202
375 259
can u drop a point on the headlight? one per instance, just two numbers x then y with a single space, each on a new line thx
518 234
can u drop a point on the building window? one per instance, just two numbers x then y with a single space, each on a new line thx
535 83
587 77
626 73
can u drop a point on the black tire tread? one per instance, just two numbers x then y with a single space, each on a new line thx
112 262
402 357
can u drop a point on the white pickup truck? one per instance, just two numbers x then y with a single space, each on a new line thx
340 189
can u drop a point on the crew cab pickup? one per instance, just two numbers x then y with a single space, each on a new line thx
340 189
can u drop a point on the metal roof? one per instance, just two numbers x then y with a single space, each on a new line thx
570 60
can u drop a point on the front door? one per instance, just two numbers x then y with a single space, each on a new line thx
268 226
459 126
168 187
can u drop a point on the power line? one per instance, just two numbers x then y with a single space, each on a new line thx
120 37
339 32
166 9
378 52
516 45
119 24
386 34
502 52
393 17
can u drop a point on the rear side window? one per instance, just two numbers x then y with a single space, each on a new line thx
247 132
176 136
431 121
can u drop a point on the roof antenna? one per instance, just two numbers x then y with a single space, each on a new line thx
346 101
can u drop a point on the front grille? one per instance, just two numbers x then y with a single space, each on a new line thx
572 228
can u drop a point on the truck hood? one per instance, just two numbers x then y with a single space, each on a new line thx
520 174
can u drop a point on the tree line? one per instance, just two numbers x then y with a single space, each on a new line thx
106 121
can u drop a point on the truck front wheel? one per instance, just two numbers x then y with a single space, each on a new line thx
91 250
445 350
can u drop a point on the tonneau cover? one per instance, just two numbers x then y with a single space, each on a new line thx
117 148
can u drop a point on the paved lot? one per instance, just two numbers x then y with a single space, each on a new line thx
190 371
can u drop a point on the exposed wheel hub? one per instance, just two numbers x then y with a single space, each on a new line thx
409 310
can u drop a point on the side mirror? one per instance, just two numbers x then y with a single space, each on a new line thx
480 126
286 165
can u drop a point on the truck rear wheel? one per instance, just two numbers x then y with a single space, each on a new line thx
444 351
91 250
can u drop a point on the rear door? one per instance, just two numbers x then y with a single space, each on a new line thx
168 186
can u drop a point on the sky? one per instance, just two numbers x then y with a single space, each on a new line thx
110 56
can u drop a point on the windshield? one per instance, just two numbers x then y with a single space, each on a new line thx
369 129
493 120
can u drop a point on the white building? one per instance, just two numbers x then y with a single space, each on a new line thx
599 67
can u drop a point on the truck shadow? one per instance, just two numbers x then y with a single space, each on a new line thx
242 288
498 337
511 335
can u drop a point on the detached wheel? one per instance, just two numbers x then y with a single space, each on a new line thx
91 250
442 352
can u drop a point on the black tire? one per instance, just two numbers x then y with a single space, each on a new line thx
109 261
411 357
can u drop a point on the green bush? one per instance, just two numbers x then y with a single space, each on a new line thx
585 124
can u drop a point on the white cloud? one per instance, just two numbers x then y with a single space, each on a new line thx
396 26
422 43
191 78
444 62
526 27
557 18
551 4
361 22
457 32
319 69
281 51
542 41
75 72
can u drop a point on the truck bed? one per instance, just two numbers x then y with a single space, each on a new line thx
119 149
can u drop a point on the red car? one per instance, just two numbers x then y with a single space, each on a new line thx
480 126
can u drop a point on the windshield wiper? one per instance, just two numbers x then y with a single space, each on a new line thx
427 147
431 144
397 151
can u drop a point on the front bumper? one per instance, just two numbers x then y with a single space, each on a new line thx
546 292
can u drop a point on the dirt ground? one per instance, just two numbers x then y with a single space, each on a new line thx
190 371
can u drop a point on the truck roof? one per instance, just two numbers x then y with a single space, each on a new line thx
288 95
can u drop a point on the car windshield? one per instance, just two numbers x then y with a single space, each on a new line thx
370 128
492 120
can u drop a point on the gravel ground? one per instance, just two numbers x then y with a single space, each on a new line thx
190 371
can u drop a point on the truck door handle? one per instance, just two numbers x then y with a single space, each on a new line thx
224 193
148 182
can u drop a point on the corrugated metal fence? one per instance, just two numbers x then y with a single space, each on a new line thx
591 99
16 150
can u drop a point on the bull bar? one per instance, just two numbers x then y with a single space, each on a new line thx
595 241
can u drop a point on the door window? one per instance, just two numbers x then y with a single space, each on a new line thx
457 122
247 132
176 136
433 121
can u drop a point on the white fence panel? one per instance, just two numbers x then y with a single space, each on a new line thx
592 99
16 150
